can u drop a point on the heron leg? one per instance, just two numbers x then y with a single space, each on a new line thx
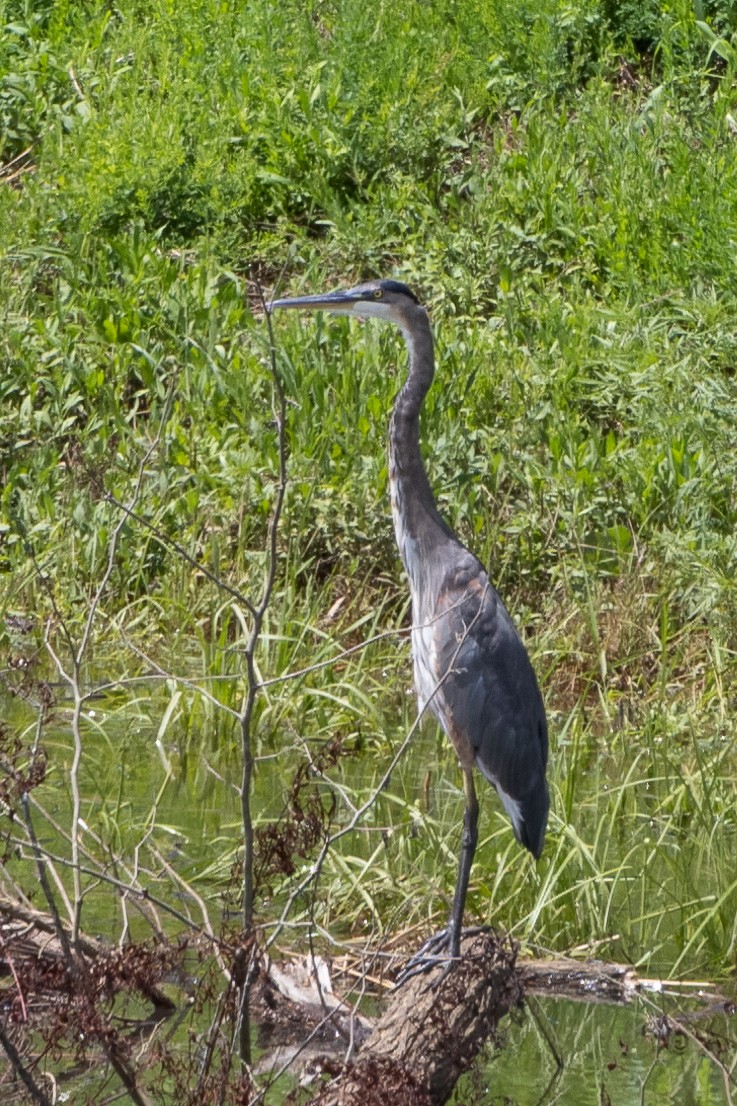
469 841
445 947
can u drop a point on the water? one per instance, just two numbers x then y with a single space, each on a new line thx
639 865
610 1058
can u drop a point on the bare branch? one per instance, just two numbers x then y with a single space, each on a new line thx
300 672
169 543
73 679
162 674
16 1060
253 682
187 887
40 858
130 888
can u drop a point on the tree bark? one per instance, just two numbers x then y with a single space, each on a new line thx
431 1031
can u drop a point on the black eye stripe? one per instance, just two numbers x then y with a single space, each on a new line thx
400 289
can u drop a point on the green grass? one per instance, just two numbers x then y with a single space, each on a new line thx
559 181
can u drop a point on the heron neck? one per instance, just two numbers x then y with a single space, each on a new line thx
417 524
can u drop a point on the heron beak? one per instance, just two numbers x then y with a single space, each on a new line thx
340 303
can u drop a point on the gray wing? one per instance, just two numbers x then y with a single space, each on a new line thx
490 701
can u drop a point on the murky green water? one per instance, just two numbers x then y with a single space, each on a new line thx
610 1058
639 867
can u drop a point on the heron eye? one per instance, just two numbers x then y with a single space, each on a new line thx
378 294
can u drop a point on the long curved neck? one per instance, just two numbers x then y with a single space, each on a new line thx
417 524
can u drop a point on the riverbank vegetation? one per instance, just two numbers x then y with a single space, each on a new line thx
558 182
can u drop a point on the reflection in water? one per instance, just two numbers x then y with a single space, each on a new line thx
611 1058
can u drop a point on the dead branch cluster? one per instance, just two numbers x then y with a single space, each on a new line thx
64 1006
68 1011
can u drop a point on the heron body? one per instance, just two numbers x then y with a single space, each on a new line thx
471 668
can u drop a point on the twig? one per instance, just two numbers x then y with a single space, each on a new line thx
211 1040
9 961
103 877
187 887
296 675
61 889
76 964
75 83
646 1079
317 1029
18 1066
74 679
169 543
681 1027
40 857
161 674
17 165
258 611
145 906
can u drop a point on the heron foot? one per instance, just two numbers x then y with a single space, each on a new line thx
433 954
437 952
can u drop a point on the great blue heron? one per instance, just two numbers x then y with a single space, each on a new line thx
470 665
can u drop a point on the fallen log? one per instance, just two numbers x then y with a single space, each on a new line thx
428 1034
584 980
31 935
435 1024
430 1031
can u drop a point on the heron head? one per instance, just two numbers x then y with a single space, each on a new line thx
379 299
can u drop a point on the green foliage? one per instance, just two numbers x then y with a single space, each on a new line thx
559 181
